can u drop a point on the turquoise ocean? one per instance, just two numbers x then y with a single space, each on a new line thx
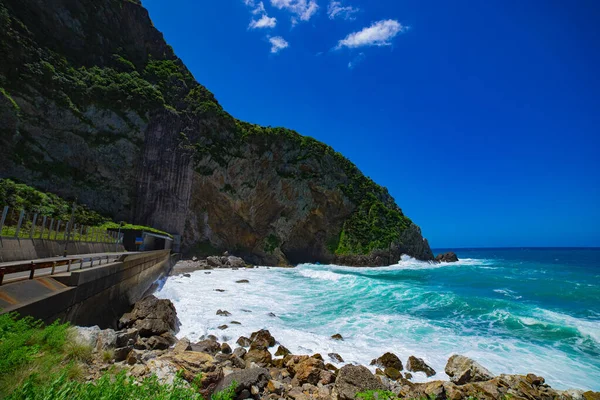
512 310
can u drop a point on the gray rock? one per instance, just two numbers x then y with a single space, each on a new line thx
388 360
123 337
122 353
463 370
183 345
352 379
151 316
158 343
207 346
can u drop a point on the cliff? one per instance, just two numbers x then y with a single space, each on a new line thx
95 105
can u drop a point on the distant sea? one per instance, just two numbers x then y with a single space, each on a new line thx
513 310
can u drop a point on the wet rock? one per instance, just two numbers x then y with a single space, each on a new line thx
223 327
415 364
235 322
223 313
262 339
246 379
463 370
337 336
282 351
591 395
226 349
447 257
352 379
151 317
388 360
336 357
408 375
187 275
272 315
246 311
220 290
331 367
244 341
243 281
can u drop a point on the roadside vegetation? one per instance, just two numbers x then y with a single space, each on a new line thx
43 362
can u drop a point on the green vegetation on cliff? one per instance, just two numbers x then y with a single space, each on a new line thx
90 62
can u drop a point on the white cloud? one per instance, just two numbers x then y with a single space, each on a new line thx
337 10
277 44
379 34
263 22
357 60
259 9
303 9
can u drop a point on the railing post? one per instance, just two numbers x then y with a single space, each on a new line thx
81 263
69 266
43 227
91 262
53 268
32 232
50 228
57 228
66 237
20 222
32 270
1 275
4 214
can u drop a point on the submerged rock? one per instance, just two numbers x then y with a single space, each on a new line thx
337 336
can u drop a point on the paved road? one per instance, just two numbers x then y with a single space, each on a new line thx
76 264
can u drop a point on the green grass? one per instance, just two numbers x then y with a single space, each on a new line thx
40 362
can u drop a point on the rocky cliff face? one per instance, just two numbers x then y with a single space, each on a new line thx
95 105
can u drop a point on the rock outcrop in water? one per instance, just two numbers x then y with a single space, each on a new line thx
262 376
447 257
95 105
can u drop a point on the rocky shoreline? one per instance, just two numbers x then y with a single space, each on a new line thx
145 345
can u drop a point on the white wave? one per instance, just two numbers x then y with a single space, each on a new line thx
508 293
585 327
308 313
322 275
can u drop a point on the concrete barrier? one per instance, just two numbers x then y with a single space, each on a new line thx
13 249
94 296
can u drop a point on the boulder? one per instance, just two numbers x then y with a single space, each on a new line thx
107 339
415 364
158 343
127 337
235 262
447 257
223 313
336 357
151 317
392 373
260 357
244 341
309 371
262 338
182 345
226 349
337 336
246 379
209 346
462 370
282 351
243 281
86 336
223 327
240 352
388 360
122 353
352 379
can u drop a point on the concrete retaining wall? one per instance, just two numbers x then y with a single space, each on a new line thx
100 295
13 249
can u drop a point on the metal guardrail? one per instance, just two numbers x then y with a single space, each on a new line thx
32 266
30 225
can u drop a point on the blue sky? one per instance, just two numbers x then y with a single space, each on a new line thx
481 117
